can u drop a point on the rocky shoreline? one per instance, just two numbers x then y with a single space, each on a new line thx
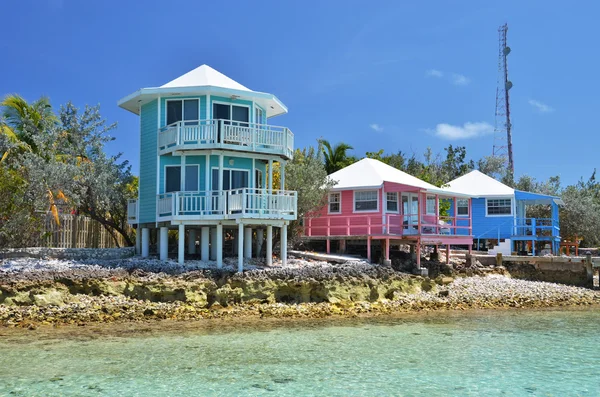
50 292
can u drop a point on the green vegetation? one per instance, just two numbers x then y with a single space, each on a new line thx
55 161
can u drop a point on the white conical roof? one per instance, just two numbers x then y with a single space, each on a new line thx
373 173
478 184
204 76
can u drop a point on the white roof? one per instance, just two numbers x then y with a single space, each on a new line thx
202 81
204 76
370 173
478 184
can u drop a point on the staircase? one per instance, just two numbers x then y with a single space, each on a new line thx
504 248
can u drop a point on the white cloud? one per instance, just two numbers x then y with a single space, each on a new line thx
459 79
541 107
468 130
376 127
434 73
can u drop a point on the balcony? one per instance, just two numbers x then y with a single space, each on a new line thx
536 228
226 134
132 211
232 204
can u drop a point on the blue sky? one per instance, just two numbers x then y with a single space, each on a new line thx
377 75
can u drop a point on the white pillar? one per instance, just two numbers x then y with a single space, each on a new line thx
145 242
219 246
138 241
283 251
192 241
270 176
259 241
213 245
269 245
248 243
240 247
204 245
181 248
282 174
164 243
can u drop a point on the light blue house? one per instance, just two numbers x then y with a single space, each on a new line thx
206 167
500 216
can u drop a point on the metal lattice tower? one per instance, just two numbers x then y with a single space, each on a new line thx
502 128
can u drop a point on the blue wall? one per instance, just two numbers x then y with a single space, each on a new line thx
148 159
485 226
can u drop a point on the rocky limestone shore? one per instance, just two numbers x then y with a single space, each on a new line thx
38 291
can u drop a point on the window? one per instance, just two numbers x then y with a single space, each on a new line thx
392 202
238 115
499 206
365 200
173 178
462 207
258 178
186 109
430 205
232 179
258 115
335 200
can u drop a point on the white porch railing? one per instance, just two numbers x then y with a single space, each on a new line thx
254 203
198 134
132 211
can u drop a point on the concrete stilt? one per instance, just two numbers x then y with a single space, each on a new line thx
328 246
418 253
248 243
213 243
145 242
181 247
369 248
138 241
447 254
269 245
283 251
192 241
259 242
219 246
164 243
240 247
204 244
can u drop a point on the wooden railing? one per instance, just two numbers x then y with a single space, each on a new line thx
387 224
195 134
536 227
231 204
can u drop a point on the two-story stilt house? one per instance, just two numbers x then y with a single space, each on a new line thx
206 164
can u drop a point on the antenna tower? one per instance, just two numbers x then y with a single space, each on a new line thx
503 127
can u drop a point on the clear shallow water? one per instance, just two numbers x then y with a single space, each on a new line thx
495 353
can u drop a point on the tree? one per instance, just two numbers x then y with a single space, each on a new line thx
336 157
306 174
580 215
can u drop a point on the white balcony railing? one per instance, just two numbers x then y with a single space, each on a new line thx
231 204
132 211
198 134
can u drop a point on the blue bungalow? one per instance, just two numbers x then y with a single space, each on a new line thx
206 165
500 216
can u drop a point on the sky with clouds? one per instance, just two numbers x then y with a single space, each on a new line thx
399 76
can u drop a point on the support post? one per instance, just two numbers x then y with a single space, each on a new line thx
447 254
240 237
145 242
164 243
192 241
269 245
282 175
248 243
204 244
219 245
342 246
328 246
499 259
181 248
138 241
387 249
589 269
418 254
259 242
283 251
369 248
213 245
270 176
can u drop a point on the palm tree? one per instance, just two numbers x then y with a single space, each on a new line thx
335 157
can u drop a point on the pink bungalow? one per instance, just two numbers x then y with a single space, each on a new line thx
374 201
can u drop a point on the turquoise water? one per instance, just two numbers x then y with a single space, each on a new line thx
494 353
